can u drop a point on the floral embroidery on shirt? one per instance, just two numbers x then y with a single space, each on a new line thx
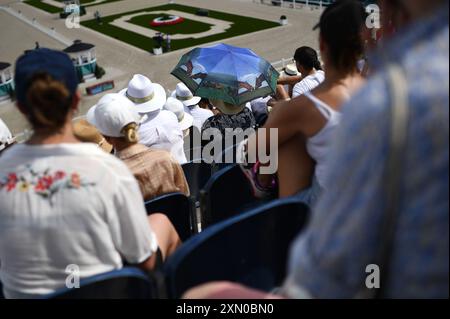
45 184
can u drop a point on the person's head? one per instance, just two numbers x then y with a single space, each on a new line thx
183 94
413 9
185 120
46 89
145 95
396 14
340 28
307 60
116 120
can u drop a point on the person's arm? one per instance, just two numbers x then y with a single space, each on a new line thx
289 80
289 118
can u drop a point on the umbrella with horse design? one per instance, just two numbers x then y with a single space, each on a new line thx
223 72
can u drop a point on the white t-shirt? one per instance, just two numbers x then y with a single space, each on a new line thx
67 204
308 84
161 130
5 135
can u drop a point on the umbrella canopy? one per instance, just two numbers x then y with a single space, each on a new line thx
223 72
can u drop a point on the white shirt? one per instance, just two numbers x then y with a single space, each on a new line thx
200 115
161 130
5 135
67 204
308 84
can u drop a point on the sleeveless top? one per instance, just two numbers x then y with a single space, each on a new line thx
318 146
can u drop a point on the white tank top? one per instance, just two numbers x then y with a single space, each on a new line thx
318 146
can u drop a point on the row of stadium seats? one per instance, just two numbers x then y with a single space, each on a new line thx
251 249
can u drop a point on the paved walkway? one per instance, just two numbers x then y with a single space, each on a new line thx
36 25
121 60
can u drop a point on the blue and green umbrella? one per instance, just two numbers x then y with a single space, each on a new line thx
224 72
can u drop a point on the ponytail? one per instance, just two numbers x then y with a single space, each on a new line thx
318 65
47 103
130 133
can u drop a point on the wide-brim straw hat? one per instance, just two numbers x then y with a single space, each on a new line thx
226 108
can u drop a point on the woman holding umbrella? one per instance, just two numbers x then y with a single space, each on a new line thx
229 77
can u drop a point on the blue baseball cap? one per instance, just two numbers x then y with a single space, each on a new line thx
57 64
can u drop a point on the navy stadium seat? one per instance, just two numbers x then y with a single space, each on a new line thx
197 175
177 208
226 194
251 249
127 283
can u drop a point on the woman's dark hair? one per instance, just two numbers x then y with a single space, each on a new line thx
340 28
307 57
47 102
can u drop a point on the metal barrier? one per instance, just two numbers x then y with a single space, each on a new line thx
296 4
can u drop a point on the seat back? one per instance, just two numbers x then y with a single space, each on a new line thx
251 249
197 175
177 208
225 159
127 283
225 195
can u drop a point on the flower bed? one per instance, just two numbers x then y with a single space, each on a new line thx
164 21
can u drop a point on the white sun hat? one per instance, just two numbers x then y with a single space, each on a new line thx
175 106
146 96
183 94
291 70
112 113
6 137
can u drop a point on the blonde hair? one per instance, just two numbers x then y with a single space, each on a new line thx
130 133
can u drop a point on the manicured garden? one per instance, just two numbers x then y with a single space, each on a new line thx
239 25
186 27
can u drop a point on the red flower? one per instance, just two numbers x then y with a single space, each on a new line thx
48 181
10 186
40 187
12 178
59 175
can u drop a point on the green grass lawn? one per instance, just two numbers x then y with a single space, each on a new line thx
43 6
187 27
52 9
241 25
